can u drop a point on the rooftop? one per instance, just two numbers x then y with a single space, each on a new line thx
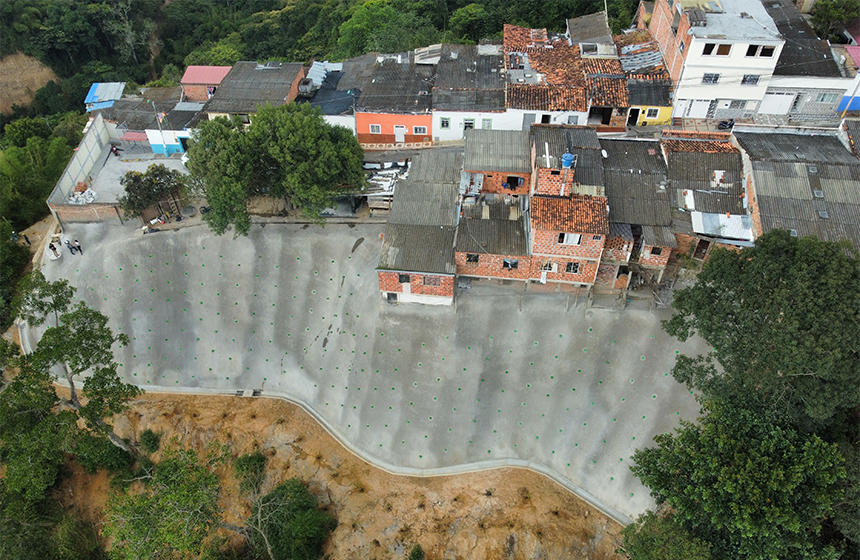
329 98
412 248
103 95
731 19
710 182
591 28
575 214
803 53
138 112
250 84
638 53
398 85
654 93
607 91
469 79
635 179
424 204
357 72
436 166
504 151
852 127
812 147
547 97
498 234
581 141
659 236
204 75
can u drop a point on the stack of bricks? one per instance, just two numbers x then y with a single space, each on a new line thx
390 282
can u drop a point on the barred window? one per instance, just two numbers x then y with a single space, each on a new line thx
432 281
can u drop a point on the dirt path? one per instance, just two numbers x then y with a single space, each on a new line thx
498 514
20 77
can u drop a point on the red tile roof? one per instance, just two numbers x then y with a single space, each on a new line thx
697 135
205 75
597 66
700 146
608 92
576 214
546 97
520 39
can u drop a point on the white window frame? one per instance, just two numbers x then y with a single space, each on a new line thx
570 239
650 115
376 129
713 80
419 130
750 79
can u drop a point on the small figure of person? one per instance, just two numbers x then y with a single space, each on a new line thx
69 245
54 250
27 240
78 247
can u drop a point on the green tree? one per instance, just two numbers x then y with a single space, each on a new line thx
829 16
751 487
14 259
660 538
417 553
225 52
377 26
17 133
144 190
287 525
782 318
250 469
173 513
471 22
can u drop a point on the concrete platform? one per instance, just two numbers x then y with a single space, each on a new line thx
294 311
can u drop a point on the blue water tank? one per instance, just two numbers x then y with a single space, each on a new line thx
566 160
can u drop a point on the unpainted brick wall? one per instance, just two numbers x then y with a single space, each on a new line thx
753 208
647 257
586 275
606 273
550 184
196 92
389 282
87 212
661 29
493 182
545 242
686 244
490 266
617 249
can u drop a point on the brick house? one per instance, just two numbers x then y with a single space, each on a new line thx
492 242
250 84
200 82
498 161
566 160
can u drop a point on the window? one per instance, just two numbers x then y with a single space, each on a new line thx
419 130
245 119
752 50
572 268
511 264
596 237
445 123
572 119
767 52
738 104
711 79
546 265
432 281
719 50
724 50
656 251
468 124
555 172
569 238
545 119
750 80
652 113
376 129
681 46
403 278
487 124
709 49
472 258
826 97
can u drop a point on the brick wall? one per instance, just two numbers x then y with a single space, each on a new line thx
490 266
196 92
753 208
661 30
390 282
367 138
493 182
649 259
548 183
585 275
87 212
294 87
686 244
545 242
617 249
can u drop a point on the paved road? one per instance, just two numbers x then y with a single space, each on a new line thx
294 311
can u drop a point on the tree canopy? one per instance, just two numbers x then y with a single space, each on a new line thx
653 537
288 152
143 190
757 489
828 16
783 318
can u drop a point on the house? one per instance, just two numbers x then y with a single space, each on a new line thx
640 221
720 54
200 82
469 92
497 161
394 108
649 86
492 241
103 95
251 84
130 117
706 179
416 264
802 181
567 160
320 88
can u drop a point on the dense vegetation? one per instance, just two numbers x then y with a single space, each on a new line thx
771 469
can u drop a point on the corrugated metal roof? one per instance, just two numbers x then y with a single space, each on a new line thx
436 166
713 181
732 226
411 248
424 204
204 75
634 175
591 28
250 84
624 231
104 91
808 147
357 72
803 216
803 53
653 93
837 183
497 237
659 236
853 128
503 151
400 87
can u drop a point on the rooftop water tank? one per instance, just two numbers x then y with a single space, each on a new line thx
566 160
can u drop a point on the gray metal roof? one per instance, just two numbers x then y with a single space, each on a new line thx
654 93
411 248
250 84
784 146
659 236
503 151
591 28
461 67
624 231
437 166
398 87
633 174
853 128
497 237
425 204
469 100
803 53
357 72
138 114
695 173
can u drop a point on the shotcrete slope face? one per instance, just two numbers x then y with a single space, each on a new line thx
294 311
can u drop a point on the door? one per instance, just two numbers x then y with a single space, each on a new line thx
633 116
399 133
698 108
776 103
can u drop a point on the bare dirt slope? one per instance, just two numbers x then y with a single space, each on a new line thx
20 77
498 514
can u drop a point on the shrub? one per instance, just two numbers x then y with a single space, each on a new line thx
150 440
250 470
417 553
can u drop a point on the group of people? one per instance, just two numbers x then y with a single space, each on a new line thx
76 246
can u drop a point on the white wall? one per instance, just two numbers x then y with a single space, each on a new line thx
346 121
512 119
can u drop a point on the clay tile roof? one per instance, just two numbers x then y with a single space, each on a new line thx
608 92
560 65
696 135
577 214
596 66
699 146
205 75
547 97
637 37
519 39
